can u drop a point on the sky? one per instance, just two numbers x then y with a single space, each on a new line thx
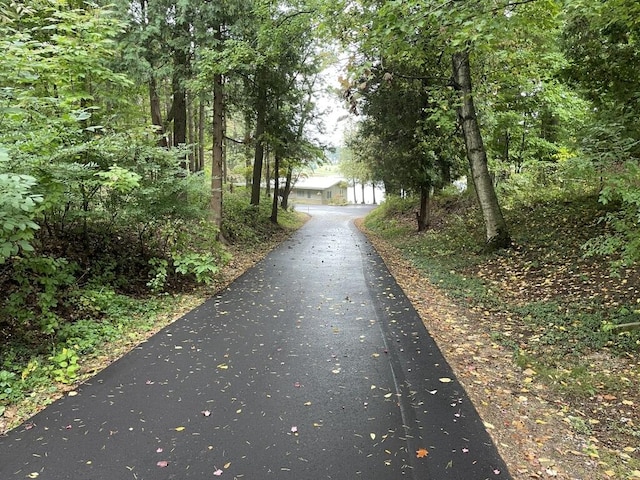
336 117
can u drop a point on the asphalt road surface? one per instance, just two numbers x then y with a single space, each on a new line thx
312 365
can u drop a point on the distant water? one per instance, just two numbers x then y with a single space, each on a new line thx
368 194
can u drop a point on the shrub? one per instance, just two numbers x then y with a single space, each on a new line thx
18 206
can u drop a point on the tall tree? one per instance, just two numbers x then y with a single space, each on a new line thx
497 235
218 140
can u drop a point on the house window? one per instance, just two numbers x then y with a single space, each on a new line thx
300 193
328 194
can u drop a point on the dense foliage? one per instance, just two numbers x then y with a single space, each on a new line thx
107 117
554 87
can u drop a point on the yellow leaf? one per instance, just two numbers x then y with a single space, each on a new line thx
627 402
373 436
179 429
223 366
306 404
445 380
388 395
227 465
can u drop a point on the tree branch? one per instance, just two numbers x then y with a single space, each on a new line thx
239 142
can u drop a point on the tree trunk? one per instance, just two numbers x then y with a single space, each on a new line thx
179 114
523 144
373 191
424 215
276 186
179 109
362 187
287 189
156 111
261 107
507 141
191 133
218 150
355 196
247 150
497 235
201 122
181 69
267 175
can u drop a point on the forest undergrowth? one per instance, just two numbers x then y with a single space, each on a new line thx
529 330
105 304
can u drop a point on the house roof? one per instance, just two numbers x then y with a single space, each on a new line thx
317 183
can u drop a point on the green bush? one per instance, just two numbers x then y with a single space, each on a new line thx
41 289
65 365
243 223
8 391
18 206
202 265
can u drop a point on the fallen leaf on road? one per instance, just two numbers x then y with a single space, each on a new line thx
422 452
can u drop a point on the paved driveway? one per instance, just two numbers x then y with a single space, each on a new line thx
312 365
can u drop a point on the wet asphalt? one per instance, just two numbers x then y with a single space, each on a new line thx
312 365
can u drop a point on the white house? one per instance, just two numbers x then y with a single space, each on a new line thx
319 190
